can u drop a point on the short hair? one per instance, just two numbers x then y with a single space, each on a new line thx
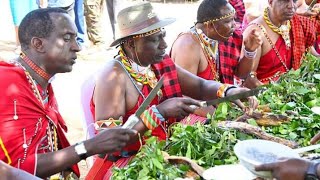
210 9
37 23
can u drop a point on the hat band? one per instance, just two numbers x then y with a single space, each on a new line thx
138 27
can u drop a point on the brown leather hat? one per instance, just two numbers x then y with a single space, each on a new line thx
138 19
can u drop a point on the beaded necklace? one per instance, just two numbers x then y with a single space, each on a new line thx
283 30
148 78
51 130
210 47
277 53
35 67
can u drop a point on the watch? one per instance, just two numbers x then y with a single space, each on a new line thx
311 173
81 150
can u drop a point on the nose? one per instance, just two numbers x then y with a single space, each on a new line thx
76 46
233 24
291 4
163 44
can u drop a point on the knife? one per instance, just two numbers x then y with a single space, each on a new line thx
133 120
313 2
241 95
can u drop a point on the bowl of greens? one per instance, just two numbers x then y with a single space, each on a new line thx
255 152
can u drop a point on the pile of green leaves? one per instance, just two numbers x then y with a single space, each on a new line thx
295 94
149 164
208 145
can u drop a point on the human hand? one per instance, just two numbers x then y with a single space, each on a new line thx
177 107
315 138
251 82
293 168
253 41
109 140
316 8
253 102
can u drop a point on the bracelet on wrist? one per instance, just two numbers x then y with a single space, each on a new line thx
151 117
223 89
228 88
250 55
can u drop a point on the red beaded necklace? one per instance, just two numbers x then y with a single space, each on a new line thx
35 67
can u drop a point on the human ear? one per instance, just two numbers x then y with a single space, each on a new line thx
37 44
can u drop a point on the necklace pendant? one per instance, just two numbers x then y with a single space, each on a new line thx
150 74
15 117
284 28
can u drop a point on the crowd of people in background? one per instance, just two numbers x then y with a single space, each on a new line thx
85 13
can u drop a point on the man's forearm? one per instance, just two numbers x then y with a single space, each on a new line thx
54 162
244 67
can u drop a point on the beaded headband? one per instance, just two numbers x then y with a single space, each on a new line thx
222 17
148 33
142 35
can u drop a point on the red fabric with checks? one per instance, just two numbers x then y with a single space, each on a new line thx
240 9
304 36
229 53
167 68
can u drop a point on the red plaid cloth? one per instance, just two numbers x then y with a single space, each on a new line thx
168 69
304 35
240 9
229 53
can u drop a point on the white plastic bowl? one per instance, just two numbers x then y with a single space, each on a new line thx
255 152
228 172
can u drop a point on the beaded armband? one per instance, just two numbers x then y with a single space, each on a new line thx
151 117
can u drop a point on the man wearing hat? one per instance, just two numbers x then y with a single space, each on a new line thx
127 80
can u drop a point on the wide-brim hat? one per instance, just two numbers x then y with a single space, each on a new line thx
138 19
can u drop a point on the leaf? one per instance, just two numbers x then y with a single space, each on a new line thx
188 154
157 163
311 103
301 90
293 135
252 122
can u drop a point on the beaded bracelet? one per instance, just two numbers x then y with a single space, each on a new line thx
157 113
221 90
250 55
151 117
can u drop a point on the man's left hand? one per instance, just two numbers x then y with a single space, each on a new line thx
253 101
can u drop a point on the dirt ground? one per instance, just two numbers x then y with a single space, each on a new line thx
67 86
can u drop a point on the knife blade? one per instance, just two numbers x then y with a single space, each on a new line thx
241 95
133 120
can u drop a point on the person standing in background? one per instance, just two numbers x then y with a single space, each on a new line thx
93 10
79 20
19 8
67 5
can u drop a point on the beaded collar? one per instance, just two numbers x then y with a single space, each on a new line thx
147 77
283 30
35 67
52 139
210 49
